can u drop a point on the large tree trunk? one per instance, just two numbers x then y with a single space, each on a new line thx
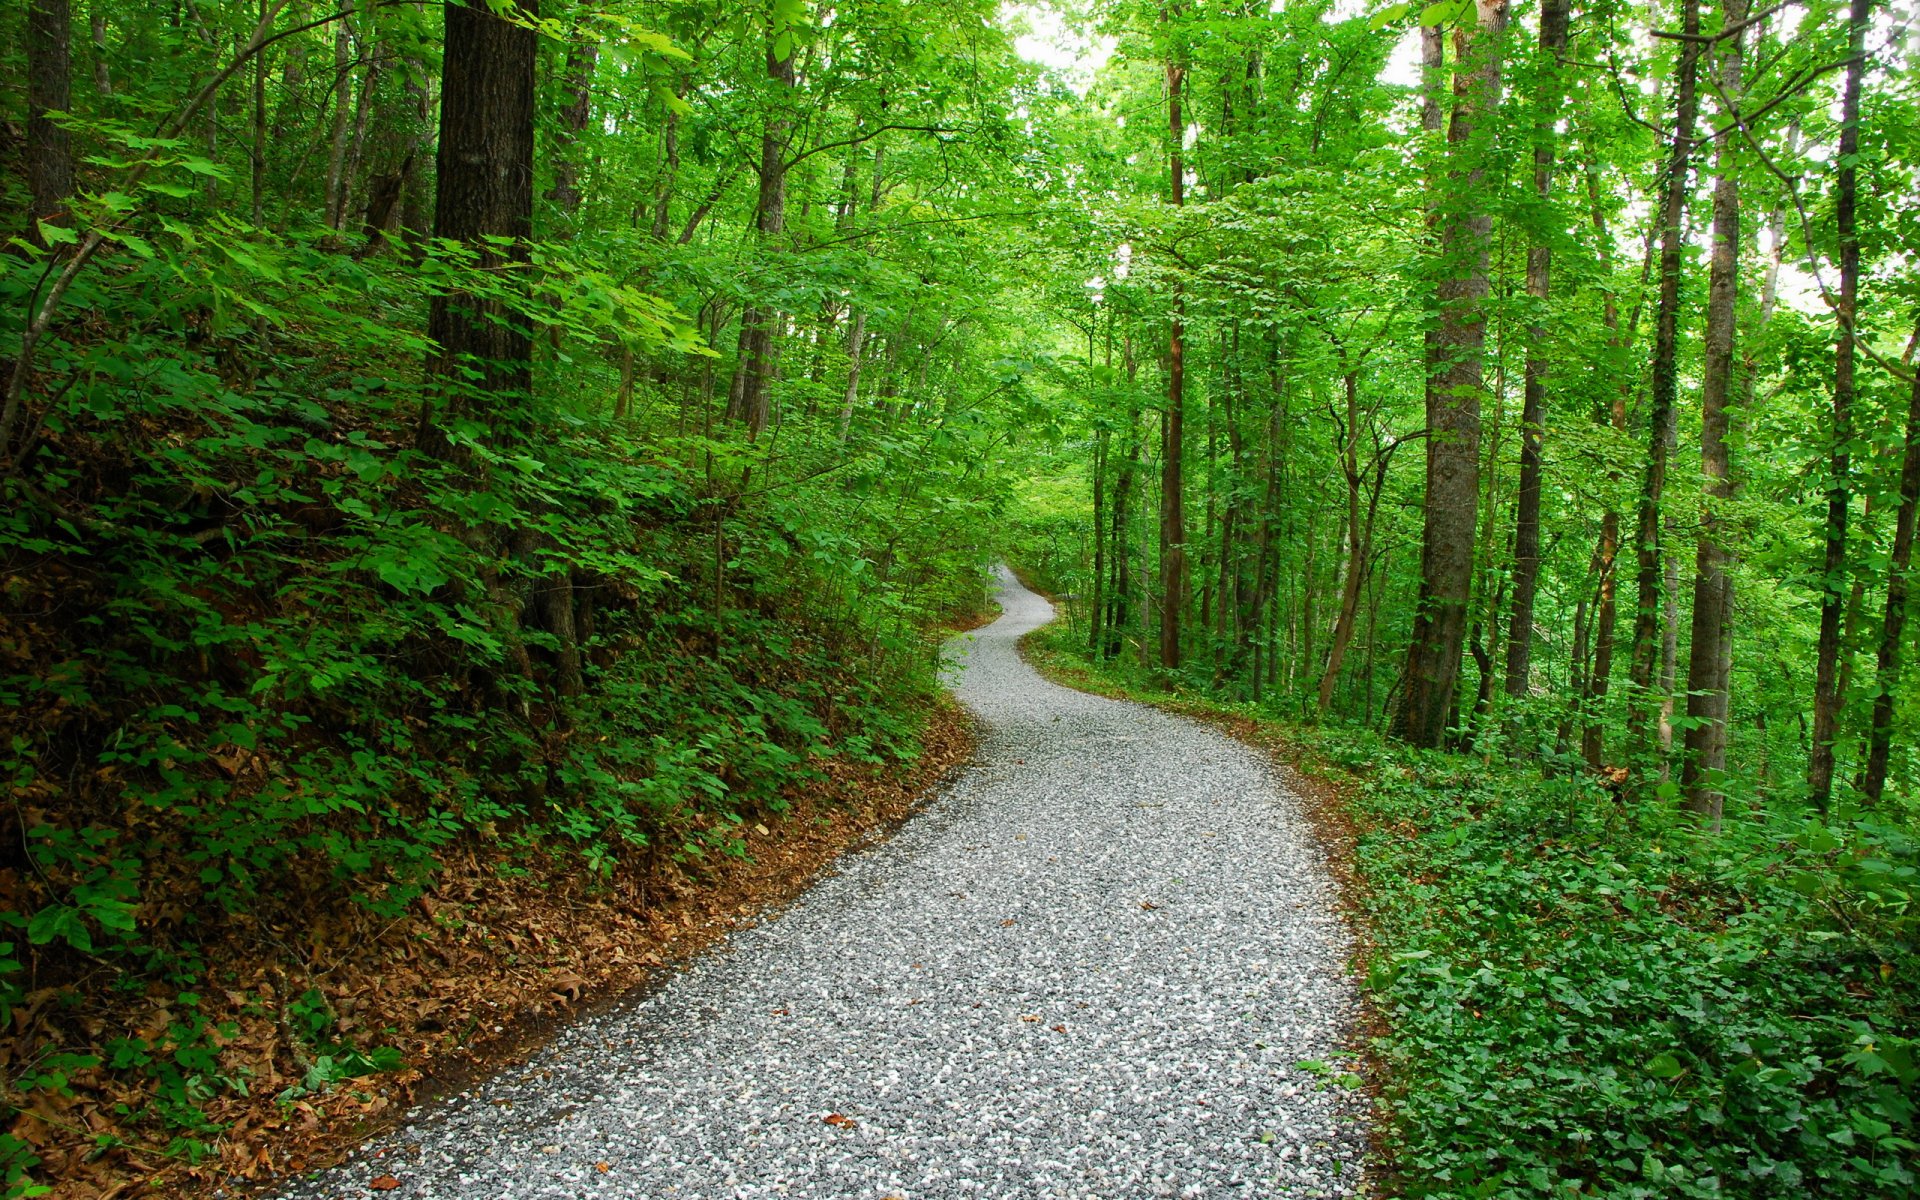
484 190
1826 688
1453 402
1710 657
49 90
1526 523
1666 383
1873 779
1173 521
749 400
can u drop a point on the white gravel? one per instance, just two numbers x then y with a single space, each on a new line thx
1092 968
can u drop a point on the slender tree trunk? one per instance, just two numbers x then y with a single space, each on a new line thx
1710 653
337 184
1666 382
484 192
49 90
1873 781
1826 689
1357 548
1453 403
583 56
1173 521
1095 616
1526 527
102 74
750 398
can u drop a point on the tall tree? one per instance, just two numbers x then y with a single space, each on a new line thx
1526 524
1827 697
1893 627
1453 402
749 400
1710 654
49 91
483 199
1173 521
1665 385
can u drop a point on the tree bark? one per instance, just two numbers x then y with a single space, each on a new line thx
1873 779
1173 521
1666 382
1710 654
337 185
749 400
49 90
484 190
1826 688
1526 523
1453 403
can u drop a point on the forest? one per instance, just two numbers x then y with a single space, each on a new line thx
516 453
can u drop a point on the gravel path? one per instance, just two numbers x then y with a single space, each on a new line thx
1090 969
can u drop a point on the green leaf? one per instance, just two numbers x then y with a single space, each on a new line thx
1665 1066
1389 15
57 235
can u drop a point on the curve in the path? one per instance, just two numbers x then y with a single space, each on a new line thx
1091 969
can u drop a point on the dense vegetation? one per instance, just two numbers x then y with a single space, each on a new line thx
545 437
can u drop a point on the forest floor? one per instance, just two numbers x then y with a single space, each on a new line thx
1107 961
491 966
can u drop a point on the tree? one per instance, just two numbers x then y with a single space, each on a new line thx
1649 563
49 150
483 201
1453 403
1710 662
1827 697
1526 522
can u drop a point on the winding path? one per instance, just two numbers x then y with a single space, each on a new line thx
1090 969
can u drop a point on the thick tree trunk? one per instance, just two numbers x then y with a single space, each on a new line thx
1526 523
1173 521
484 190
1826 688
1453 402
1666 383
49 90
1873 779
749 400
1710 654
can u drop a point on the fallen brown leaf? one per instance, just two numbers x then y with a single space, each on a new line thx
839 1121
383 1183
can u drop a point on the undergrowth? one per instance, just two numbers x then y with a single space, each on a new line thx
1580 997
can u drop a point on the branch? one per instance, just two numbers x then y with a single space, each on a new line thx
1708 39
857 139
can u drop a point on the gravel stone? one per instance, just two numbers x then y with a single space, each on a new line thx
1091 969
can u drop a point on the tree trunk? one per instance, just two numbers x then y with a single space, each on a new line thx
484 190
1453 402
582 57
49 148
749 400
1873 780
1357 548
102 75
1173 521
1526 524
337 184
1710 654
1826 688
1666 382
